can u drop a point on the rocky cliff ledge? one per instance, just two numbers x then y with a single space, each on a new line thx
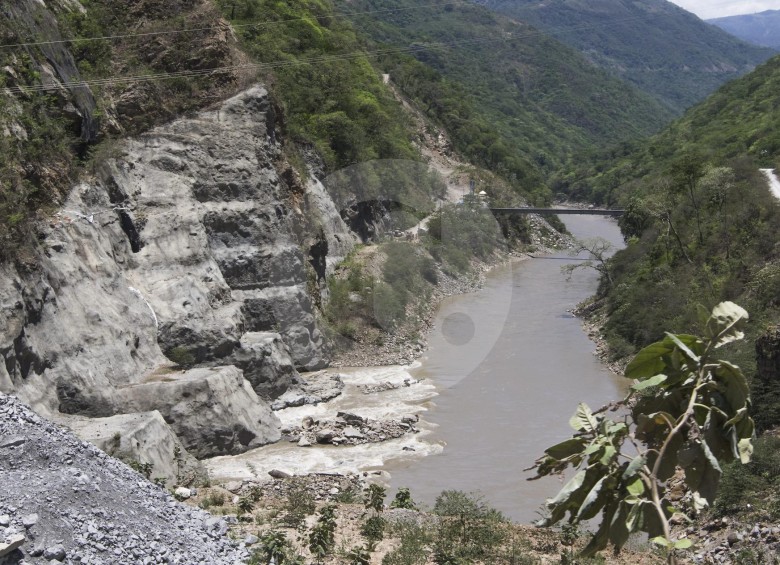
194 247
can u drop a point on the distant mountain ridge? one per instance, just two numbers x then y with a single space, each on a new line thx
654 44
500 87
762 28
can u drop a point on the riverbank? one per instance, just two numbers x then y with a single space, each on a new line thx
291 508
407 343
593 319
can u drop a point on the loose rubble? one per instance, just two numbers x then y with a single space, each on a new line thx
312 389
726 540
348 429
63 500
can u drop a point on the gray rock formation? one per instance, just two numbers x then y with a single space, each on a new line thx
213 411
265 360
188 244
144 439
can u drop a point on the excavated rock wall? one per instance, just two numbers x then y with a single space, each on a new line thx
187 248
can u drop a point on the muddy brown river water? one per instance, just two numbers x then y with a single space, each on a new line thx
505 369
510 364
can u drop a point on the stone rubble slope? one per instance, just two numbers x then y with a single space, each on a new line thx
72 503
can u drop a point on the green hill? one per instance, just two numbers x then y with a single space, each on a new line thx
702 225
470 68
654 44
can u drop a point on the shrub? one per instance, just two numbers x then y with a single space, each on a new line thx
299 504
373 529
403 499
413 549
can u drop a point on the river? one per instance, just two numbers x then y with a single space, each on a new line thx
507 393
504 371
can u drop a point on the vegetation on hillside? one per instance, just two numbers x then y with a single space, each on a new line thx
701 224
357 527
702 227
655 45
378 290
511 98
48 141
329 93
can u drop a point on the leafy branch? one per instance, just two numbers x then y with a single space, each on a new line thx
686 410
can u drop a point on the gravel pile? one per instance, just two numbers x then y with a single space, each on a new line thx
63 500
348 429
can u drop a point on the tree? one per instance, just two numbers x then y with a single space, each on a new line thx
599 251
687 171
687 410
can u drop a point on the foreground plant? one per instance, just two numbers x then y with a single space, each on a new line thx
687 410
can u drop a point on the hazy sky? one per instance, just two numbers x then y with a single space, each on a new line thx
707 9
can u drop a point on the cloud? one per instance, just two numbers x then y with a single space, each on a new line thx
707 9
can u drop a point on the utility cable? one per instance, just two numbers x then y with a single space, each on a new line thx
292 62
263 23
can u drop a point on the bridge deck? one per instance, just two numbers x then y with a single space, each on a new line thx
583 211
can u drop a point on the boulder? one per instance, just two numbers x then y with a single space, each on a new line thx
311 389
12 543
143 438
213 411
325 436
265 360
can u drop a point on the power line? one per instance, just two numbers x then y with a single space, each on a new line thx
256 66
292 62
263 23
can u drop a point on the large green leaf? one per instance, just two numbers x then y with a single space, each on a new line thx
648 362
590 506
583 419
566 449
569 488
726 323
636 487
708 485
633 468
619 530
733 384
648 383
682 347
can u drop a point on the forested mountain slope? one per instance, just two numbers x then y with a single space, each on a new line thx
653 44
762 28
702 225
480 70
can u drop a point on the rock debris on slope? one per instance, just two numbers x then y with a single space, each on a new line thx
63 500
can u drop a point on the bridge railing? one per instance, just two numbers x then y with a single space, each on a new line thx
557 211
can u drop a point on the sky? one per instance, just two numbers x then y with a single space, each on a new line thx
707 9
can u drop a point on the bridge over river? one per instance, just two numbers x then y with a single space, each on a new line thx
578 211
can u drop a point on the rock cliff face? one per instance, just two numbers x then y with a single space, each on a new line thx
190 248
